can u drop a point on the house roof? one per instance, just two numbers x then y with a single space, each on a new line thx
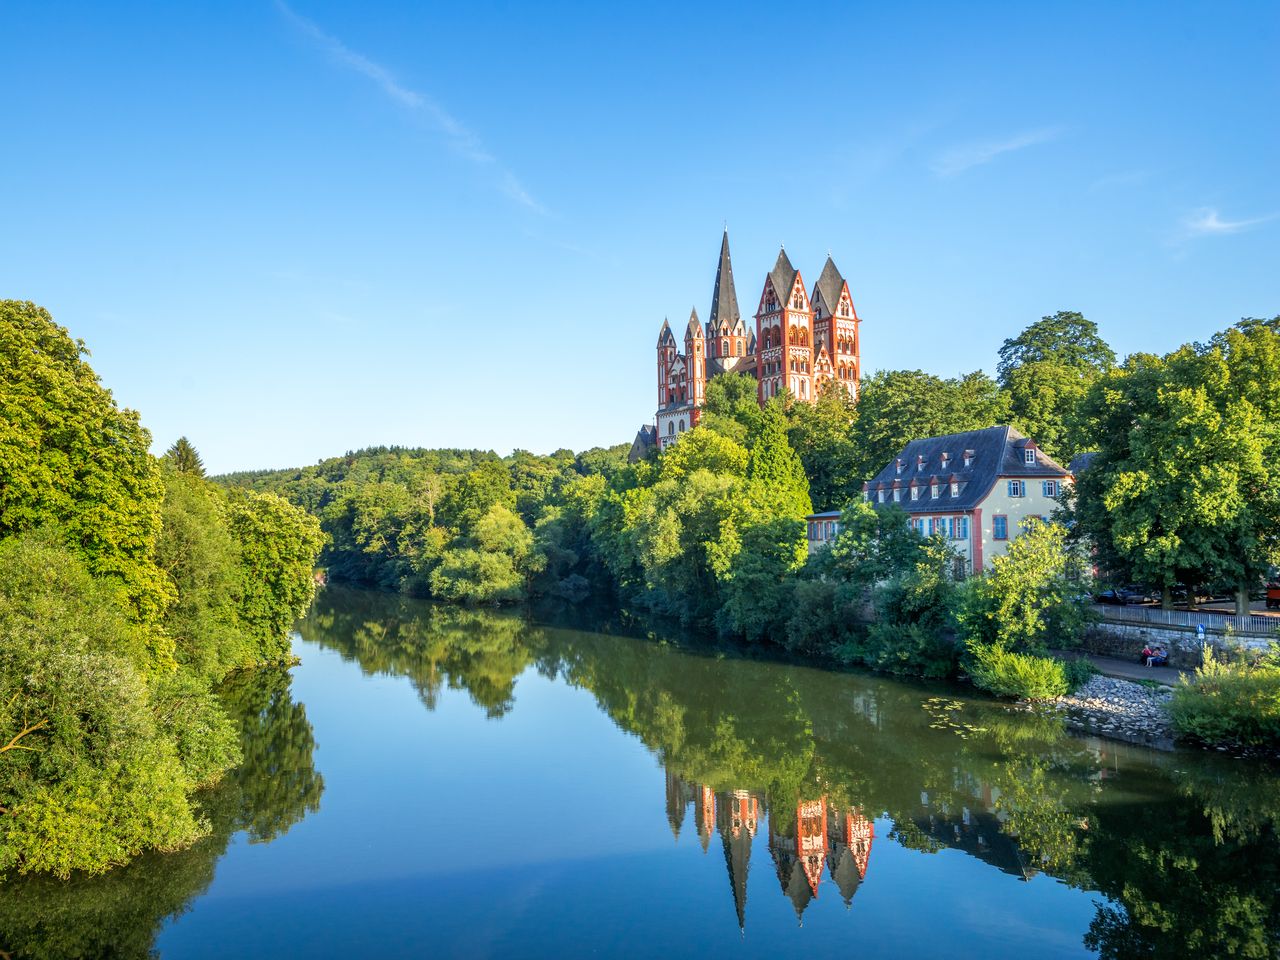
995 452
724 299
1082 462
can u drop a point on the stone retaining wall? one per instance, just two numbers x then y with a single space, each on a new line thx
1124 641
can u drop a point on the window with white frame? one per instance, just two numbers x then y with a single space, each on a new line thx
1028 455
1050 488
933 490
955 488
1017 488
915 493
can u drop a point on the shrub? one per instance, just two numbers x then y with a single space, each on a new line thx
1009 674
1229 703
1078 672
908 649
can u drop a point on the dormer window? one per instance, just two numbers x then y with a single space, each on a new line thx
900 465
915 493
933 490
946 458
1029 455
968 458
920 462
955 488
897 495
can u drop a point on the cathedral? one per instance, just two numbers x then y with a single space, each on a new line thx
800 340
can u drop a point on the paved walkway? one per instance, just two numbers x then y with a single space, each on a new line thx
1124 669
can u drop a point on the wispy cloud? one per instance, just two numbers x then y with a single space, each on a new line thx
1206 222
965 156
461 140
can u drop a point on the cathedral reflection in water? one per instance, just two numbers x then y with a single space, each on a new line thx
803 841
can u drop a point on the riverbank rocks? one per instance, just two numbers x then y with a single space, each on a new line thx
1122 709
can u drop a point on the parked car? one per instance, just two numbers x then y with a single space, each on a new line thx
1126 595
1273 595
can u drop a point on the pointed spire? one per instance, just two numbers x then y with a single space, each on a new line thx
783 275
665 333
724 298
737 858
829 285
695 328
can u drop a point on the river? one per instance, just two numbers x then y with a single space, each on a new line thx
449 783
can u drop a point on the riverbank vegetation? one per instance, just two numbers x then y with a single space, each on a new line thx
709 533
130 586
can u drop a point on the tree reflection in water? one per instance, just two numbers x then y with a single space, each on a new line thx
118 915
1183 846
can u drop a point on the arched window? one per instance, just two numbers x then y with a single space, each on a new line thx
671 428
724 348
682 426
804 337
742 349
791 336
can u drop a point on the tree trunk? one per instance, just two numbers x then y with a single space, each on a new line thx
1166 597
1191 596
1242 601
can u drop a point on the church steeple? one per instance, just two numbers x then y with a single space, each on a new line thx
724 298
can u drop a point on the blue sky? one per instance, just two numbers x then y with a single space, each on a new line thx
291 230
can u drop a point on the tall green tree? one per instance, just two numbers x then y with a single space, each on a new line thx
184 458
1047 370
1182 489
775 473
896 406
70 456
820 435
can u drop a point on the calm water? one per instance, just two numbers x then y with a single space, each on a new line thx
436 782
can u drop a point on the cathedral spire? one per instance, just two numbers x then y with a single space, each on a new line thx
724 298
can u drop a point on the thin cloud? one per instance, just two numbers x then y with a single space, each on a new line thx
966 156
461 140
1206 222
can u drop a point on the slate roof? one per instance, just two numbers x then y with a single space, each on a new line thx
695 328
1082 462
829 285
665 333
724 299
783 276
996 452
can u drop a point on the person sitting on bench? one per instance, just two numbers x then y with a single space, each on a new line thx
1145 656
1159 657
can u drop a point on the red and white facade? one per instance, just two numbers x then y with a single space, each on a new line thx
801 340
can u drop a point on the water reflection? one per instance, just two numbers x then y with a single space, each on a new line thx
120 914
1181 847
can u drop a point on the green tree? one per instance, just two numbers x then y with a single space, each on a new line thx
820 435
184 458
775 473
896 406
88 780
278 547
760 584
1026 598
1182 487
1047 370
732 407
69 456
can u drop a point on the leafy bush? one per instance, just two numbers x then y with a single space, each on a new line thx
1229 703
908 649
1078 672
88 779
1009 674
